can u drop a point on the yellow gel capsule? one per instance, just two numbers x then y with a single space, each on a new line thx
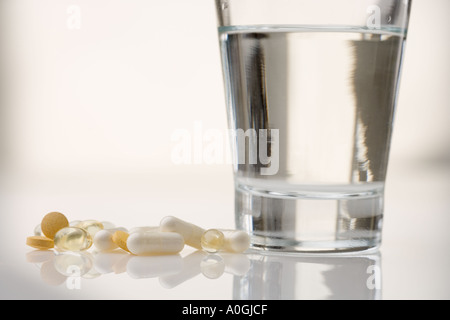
73 239
213 240
91 226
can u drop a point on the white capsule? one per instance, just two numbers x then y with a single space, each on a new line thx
103 240
236 241
153 243
191 233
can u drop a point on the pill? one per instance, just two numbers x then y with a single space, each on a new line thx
103 240
213 240
73 239
52 223
151 243
38 230
120 239
191 233
91 226
236 241
40 242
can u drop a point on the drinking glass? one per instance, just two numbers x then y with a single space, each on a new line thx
311 89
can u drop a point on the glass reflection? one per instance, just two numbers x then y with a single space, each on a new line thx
292 277
255 276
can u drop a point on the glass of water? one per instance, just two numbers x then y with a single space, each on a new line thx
311 89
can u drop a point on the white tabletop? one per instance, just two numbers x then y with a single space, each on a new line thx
412 263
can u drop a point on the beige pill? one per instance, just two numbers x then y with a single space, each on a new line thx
120 239
52 223
40 242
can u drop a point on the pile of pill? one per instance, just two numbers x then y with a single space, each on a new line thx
169 237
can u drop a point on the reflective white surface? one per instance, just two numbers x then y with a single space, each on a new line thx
412 263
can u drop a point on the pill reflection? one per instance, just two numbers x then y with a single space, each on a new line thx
67 262
191 269
139 267
57 267
212 266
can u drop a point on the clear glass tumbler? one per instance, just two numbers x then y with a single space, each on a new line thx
311 88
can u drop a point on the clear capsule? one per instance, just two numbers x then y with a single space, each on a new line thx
38 230
213 240
108 225
91 226
73 239
74 223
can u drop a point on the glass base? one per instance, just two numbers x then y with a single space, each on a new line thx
310 225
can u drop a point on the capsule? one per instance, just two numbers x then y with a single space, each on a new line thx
153 243
38 230
91 226
212 240
191 233
73 239
108 225
103 240
120 239
236 241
